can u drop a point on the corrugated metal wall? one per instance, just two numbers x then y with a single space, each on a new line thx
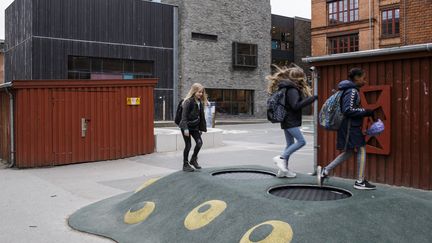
48 126
42 34
410 160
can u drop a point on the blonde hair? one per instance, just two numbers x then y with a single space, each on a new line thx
194 89
292 73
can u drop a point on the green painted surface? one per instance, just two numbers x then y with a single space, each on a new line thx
389 214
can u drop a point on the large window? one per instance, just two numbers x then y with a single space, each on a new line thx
232 101
345 43
343 11
107 68
245 55
390 23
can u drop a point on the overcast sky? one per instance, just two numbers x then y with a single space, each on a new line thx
290 8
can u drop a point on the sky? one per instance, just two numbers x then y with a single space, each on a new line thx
289 8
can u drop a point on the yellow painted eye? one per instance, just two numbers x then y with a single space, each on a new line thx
204 214
147 183
281 233
139 212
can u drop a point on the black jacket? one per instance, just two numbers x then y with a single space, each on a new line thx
294 103
193 117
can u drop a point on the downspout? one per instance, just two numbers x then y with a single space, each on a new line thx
315 119
405 18
175 59
370 26
11 125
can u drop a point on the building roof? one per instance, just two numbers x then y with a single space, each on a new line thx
370 53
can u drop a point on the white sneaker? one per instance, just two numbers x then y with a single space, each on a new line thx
290 174
319 171
280 174
280 163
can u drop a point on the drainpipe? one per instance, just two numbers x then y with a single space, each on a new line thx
405 18
370 26
11 125
315 118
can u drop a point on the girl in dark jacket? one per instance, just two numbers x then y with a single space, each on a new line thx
193 124
350 137
298 94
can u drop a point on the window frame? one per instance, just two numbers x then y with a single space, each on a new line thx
351 41
342 11
236 56
389 24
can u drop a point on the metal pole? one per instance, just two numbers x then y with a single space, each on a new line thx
315 119
163 108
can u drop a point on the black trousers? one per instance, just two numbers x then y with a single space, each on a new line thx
188 144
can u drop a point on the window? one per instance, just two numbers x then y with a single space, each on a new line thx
232 101
108 68
342 11
345 43
390 23
245 55
282 39
200 36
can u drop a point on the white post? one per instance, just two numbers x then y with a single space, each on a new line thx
163 108
315 119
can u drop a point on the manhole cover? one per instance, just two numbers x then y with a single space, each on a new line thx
310 193
244 175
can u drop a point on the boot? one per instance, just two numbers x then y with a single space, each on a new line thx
187 167
194 163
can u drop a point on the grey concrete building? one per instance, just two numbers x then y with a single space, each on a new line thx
225 45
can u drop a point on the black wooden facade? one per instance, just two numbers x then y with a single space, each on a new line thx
42 34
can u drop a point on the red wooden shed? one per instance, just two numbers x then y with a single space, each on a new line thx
400 81
57 122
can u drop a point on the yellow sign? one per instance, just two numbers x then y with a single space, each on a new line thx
133 101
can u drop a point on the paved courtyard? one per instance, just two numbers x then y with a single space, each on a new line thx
35 203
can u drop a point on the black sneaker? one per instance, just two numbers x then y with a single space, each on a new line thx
194 163
187 167
364 185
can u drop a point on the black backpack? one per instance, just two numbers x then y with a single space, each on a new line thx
276 110
178 115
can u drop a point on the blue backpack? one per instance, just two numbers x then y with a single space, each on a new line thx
331 116
276 109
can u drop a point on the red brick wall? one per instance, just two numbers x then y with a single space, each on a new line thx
418 22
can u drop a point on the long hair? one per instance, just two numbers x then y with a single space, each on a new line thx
194 89
281 73
297 75
293 73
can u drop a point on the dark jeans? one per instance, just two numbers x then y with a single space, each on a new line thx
188 144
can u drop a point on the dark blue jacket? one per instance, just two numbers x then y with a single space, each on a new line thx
351 108
351 105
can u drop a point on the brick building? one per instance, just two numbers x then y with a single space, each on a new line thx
353 25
